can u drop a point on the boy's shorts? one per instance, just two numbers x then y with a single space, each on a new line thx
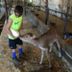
13 43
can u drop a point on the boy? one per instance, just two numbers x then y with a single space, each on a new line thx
14 25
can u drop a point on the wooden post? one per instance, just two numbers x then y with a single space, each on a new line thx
66 17
6 9
25 7
46 12
40 4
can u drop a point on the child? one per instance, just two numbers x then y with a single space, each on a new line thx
14 25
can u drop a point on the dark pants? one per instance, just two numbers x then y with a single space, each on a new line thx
13 43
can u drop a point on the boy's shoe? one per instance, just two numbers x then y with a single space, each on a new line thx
21 56
15 61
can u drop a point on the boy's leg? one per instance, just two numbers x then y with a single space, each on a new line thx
12 45
14 57
20 47
14 54
21 52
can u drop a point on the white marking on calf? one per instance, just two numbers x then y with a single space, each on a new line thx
58 45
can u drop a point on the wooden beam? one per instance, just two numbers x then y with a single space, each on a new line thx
46 12
6 9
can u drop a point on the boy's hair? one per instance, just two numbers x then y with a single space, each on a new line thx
19 9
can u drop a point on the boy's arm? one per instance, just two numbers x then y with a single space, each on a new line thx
8 27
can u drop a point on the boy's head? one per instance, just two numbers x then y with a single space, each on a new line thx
18 10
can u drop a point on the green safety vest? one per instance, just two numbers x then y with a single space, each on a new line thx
16 25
